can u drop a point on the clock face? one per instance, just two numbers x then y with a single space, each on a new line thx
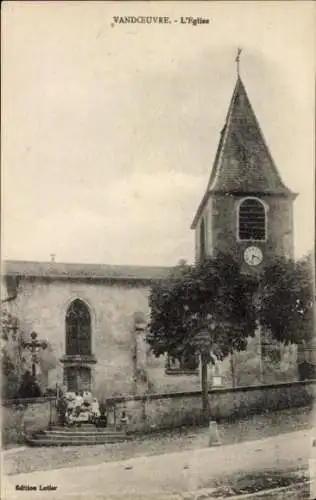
253 256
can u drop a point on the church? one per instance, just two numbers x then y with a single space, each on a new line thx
94 316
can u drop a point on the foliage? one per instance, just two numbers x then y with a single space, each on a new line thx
213 298
14 359
287 300
11 354
9 379
213 308
9 325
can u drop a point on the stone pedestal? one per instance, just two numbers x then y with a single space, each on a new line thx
213 434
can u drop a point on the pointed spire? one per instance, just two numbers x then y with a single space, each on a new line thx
243 163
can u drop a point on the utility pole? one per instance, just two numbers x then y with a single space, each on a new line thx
257 305
260 353
233 369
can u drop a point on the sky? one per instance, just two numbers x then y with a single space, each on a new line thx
109 133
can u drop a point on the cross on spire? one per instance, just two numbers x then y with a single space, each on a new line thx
238 60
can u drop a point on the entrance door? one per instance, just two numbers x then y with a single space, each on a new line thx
78 378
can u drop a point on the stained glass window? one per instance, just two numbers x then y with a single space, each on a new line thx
78 329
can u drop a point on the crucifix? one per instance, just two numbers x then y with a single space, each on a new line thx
238 59
34 345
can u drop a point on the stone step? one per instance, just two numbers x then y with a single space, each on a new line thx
78 440
101 432
57 437
84 430
82 426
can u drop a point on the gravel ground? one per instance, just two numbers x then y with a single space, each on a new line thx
252 428
246 483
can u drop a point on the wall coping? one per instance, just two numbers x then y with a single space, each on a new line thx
27 401
168 395
220 390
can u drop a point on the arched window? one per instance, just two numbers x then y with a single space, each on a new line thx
78 329
251 220
202 239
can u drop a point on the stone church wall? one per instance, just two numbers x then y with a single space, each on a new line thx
208 221
41 306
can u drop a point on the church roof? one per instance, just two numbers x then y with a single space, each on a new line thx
59 270
243 163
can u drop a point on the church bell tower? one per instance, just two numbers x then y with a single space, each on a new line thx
246 211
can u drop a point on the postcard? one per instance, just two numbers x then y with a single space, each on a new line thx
158 235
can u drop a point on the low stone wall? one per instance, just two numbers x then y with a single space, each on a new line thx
27 415
165 411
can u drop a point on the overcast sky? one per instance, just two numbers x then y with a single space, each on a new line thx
109 133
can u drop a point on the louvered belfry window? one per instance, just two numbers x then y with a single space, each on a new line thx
78 329
252 220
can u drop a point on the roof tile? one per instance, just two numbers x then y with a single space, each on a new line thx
83 271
